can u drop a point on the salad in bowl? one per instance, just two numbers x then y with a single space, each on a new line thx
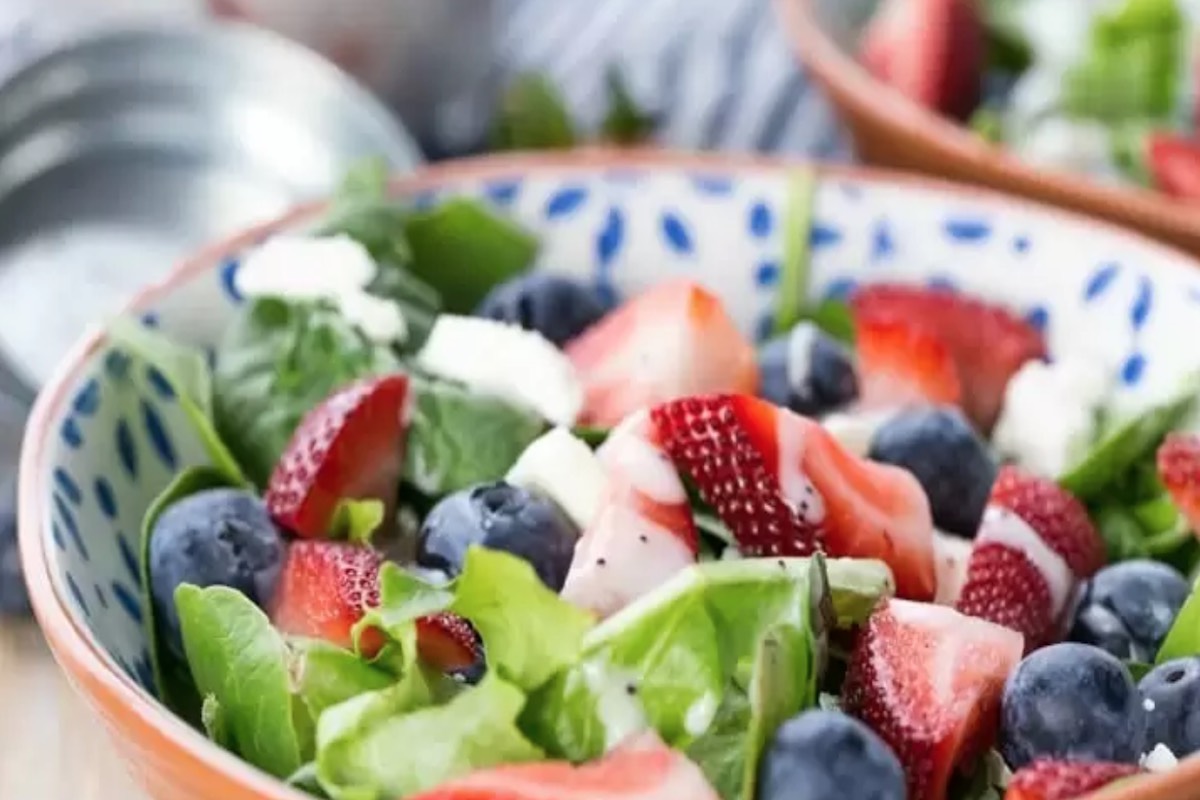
639 479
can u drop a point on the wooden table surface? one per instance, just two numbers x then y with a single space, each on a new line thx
50 746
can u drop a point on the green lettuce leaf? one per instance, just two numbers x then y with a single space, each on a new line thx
277 361
212 719
357 520
172 680
326 675
533 116
187 373
388 744
458 438
1184 637
721 752
624 122
238 658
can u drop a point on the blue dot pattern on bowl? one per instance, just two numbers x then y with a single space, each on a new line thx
121 434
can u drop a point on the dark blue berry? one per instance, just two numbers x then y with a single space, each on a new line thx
945 454
827 755
1172 701
1127 608
503 517
13 597
807 371
218 537
555 306
1071 701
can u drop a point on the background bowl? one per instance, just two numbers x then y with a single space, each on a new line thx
103 440
892 130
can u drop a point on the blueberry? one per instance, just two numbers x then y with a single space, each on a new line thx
1071 701
218 537
807 371
503 517
1172 702
13 597
945 454
1127 608
555 306
827 755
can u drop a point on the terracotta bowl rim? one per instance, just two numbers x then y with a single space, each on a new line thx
93 672
890 109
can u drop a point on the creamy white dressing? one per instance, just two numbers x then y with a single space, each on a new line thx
333 268
798 490
700 714
1004 527
799 354
855 429
634 461
617 708
563 468
951 555
507 361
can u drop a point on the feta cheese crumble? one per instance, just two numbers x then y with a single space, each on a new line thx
333 268
563 468
505 360
1159 759
1049 415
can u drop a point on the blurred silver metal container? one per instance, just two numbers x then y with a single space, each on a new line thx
126 150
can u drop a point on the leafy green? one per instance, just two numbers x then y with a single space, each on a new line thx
378 747
988 123
186 371
357 520
172 680
624 123
794 271
1128 143
1123 536
721 751
592 437
666 660
533 116
1007 47
1130 69
987 781
1184 637
306 779
856 585
237 657
1127 445
326 675
833 317
212 719
277 361
462 250
362 210
458 438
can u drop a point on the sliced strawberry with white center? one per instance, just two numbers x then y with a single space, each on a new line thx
929 50
1059 518
1064 780
641 769
672 341
351 446
1174 162
1004 585
929 681
785 486
1179 471
324 589
643 533
987 343
900 363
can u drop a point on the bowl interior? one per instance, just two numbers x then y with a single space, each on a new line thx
116 433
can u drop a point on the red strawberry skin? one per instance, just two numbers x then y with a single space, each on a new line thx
324 589
785 486
1179 471
1174 163
1045 779
900 363
348 447
988 343
1005 587
929 681
448 642
1058 517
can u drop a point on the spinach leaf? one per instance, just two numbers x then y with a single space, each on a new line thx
624 123
237 657
357 520
277 361
987 781
533 116
1124 538
419 302
186 372
1184 637
1135 441
591 436
172 680
462 250
458 438
792 296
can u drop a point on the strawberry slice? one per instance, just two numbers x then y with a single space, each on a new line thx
642 768
988 343
1179 471
1045 779
348 447
900 363
324 589
643 532
448 642
1058 517
1174 164
672 341
929 681
785 486
1005 586
929 50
